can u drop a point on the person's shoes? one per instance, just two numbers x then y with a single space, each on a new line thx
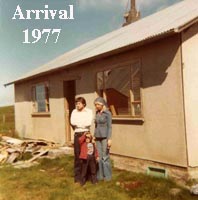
94 181
107 179
77 182
82 184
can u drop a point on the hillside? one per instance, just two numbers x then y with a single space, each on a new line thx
7 124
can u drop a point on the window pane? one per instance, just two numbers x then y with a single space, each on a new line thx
40 98
121 87
136 86
100 83
117 90
137 109
135 81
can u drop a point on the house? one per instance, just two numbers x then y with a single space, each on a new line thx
148 73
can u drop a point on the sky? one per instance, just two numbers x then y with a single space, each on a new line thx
92 18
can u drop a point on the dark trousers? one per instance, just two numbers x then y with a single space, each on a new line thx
77 160
89 169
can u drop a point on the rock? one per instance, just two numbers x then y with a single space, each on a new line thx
117 183
60 151
194 189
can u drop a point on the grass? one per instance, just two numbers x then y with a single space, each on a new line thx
53 180
7 125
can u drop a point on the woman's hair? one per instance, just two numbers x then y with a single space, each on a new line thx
101 101
82 100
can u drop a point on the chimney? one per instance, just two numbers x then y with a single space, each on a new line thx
132 15
133 4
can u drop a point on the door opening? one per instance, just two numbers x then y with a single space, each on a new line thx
69 96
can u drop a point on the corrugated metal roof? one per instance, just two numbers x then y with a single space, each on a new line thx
170 20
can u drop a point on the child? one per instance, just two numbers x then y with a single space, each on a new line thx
89 157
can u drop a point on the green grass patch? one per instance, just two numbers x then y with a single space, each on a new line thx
52 179
7 121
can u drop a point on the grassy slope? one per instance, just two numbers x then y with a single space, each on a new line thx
9 124
53 180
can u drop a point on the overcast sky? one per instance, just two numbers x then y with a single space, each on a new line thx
93 18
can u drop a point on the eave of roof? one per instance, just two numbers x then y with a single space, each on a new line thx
106 54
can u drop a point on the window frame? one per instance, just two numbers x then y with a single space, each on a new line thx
35 111
132 116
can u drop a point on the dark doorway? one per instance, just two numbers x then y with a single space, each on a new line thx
69 88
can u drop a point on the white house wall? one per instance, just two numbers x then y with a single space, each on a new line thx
52 127
190 70
40 127
161 137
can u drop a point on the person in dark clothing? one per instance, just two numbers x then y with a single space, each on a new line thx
81 119
89 157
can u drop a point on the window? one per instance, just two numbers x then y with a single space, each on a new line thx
40 97
121 87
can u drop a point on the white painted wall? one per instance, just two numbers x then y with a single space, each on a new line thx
160 138
190 74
